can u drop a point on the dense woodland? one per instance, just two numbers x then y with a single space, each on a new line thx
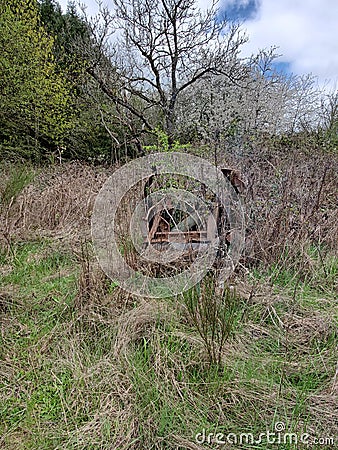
104 88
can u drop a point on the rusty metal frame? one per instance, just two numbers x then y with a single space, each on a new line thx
160 233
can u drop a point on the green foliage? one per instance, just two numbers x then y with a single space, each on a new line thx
163 143
35 100
329 137
16 179
214 315
97 136
67 30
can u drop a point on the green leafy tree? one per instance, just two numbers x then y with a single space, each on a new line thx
35 97
100 134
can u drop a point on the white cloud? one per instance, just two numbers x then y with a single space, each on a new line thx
204 4
306 32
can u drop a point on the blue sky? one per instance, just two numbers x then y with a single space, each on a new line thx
241 10
305 32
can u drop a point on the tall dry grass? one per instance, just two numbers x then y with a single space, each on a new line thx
290 202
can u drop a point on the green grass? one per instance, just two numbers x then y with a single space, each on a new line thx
99 370
15 178
310 276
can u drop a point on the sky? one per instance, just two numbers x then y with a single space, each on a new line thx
305 32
